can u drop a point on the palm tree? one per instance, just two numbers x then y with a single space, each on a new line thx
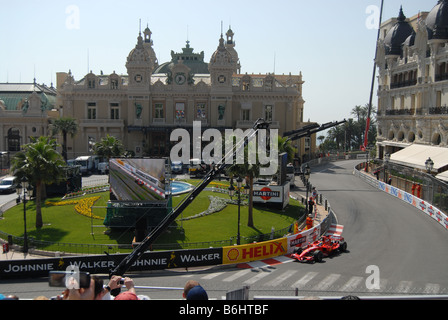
359 112
249 172
109 147
66 126
41 164
337 135
321 138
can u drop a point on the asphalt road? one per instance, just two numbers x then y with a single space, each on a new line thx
390 244
381 230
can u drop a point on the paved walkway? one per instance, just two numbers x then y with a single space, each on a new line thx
299 192
17 255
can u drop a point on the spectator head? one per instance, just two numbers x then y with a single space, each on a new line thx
197 293
126 296
190 284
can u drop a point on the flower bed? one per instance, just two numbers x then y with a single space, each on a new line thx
216 204
85 191
82 206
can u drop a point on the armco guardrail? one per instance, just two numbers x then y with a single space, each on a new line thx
415 201
158 260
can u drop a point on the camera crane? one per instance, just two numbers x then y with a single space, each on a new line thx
310 129
127 262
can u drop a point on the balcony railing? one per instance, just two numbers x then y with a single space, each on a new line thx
101 122
400 112
438 110
402 84
411 112
441 76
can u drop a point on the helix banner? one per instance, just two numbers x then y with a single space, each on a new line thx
254 251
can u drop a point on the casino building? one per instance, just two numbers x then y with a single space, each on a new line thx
142 107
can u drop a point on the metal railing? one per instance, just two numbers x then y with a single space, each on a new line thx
434 191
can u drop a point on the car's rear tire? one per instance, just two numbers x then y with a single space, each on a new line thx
343 247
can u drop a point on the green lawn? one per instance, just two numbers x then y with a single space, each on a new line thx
64 224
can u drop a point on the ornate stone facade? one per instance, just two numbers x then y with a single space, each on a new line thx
412 59
142 107
25 109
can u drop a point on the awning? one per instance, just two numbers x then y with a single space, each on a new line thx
443 176
417 154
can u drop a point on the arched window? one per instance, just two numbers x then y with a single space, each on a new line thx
391 135
436 139
13 139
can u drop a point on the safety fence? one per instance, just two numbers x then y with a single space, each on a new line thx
159 260
422 184
52 248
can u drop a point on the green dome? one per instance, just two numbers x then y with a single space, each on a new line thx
194 61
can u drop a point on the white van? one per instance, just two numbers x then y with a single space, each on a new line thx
8 185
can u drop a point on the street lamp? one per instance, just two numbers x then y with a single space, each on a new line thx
239 184
307 174
429 164
386 162
23 186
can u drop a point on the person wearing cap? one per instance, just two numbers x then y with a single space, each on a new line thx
197 293
194 291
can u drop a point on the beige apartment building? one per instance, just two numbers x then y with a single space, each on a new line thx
412 59
142 107
25 110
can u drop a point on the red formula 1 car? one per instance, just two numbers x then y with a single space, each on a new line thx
317 250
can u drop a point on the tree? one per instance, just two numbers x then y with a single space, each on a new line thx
249 172
349 136
359 112
284 145
337 136
321 138
109 147
65 126
41 164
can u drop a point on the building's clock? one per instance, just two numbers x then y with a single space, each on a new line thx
138 78
180 78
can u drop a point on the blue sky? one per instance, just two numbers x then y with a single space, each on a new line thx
329 41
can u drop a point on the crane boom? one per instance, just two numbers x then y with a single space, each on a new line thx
309 130
369 110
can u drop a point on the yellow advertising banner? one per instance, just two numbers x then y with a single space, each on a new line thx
254 251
